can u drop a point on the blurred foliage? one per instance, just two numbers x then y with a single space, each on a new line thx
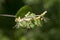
49 31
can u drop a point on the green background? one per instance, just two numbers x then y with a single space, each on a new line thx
49 31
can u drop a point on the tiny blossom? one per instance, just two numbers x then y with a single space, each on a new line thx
27 14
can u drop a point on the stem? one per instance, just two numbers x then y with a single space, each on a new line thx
7 15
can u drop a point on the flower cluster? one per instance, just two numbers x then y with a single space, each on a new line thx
30 20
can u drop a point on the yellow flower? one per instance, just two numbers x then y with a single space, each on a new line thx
17 19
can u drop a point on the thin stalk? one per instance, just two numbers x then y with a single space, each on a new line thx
7 15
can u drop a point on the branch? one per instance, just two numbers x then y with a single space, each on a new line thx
28 18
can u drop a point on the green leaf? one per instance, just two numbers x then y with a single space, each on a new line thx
32 25
24 24
22 11
32 14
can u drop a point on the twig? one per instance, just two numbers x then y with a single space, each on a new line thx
7 15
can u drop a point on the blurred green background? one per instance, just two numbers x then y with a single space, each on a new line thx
49 31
